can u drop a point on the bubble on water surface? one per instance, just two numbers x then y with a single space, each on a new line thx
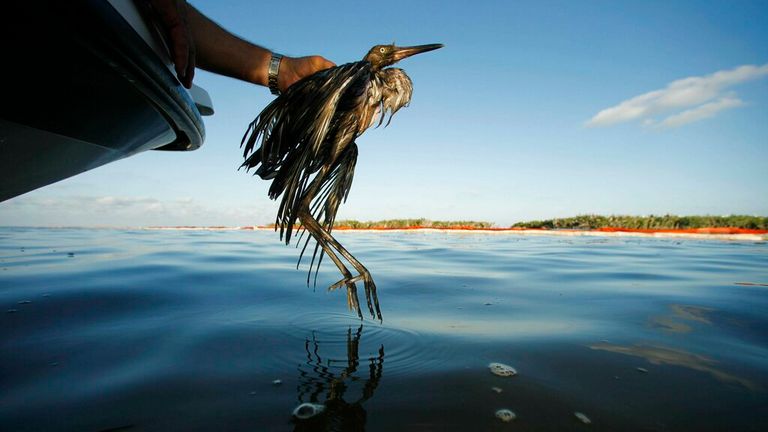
582 417
308 410
505 415
501 369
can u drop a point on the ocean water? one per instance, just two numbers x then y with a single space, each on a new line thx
120 330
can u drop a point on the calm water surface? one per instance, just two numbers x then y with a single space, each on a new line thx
187 330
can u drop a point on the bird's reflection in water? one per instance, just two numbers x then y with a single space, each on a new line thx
338 384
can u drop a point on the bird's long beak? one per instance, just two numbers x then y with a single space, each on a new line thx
403 52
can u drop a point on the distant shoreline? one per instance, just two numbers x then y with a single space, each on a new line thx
696 233
693 233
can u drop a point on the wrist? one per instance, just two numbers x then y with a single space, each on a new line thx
257 67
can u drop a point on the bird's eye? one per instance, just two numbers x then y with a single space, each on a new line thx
382 50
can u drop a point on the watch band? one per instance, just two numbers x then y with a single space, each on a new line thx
274 69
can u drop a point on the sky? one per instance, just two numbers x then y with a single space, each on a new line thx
532 110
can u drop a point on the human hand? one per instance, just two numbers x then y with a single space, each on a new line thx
293 69
173 17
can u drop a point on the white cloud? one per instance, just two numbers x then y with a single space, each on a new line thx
698 98
706 110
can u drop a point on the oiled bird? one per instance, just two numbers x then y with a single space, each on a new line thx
306 147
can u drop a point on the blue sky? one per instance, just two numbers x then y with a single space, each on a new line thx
532 110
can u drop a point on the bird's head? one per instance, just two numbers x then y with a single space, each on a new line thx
382 56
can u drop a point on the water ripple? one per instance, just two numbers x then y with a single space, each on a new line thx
407 351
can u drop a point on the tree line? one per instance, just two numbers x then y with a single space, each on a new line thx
649 222
411 223
577 222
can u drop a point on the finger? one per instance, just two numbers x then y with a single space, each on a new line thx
189 74
180 52
171 15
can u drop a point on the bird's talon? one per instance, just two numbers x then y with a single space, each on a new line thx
345 281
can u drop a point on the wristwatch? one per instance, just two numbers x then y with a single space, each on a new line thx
274 68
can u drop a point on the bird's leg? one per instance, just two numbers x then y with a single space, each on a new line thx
370 287
314 228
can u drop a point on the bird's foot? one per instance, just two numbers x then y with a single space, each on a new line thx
371 297
346 281
352 301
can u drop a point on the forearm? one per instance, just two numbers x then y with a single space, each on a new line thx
221 52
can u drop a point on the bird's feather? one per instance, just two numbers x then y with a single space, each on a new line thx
303 130
397 90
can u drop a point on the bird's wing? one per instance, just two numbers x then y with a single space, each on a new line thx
291 130
293 133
